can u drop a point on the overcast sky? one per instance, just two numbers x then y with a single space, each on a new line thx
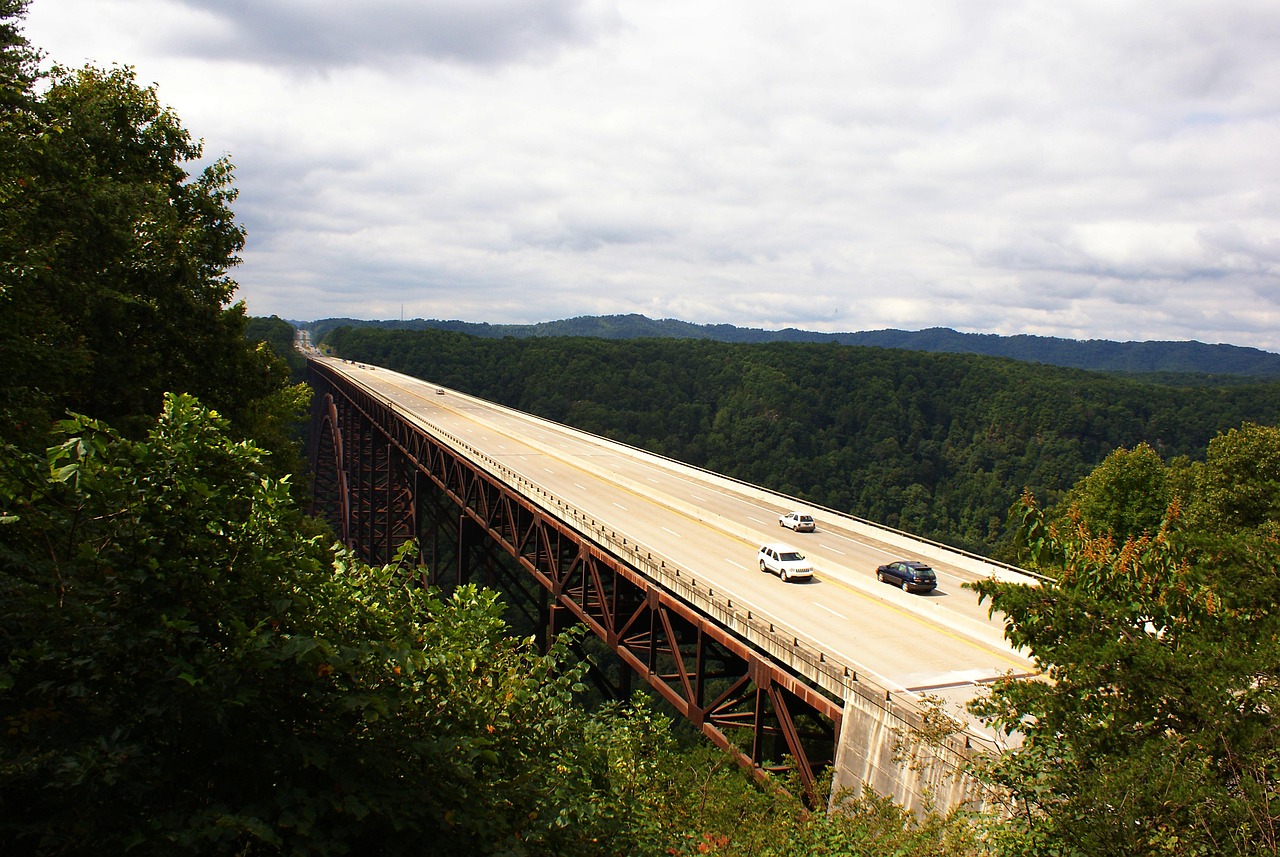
1092 169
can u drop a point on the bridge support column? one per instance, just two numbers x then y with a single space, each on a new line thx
559 618
329 495
880 745
470 539
437 533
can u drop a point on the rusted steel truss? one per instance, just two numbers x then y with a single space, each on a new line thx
329 498
771 719
364 487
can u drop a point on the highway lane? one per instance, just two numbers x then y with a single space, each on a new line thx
712 527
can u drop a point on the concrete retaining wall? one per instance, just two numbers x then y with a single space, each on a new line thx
881 746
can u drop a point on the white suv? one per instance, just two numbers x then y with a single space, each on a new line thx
797 521
785 561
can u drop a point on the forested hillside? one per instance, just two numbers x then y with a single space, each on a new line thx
278 334
936 444
1167 358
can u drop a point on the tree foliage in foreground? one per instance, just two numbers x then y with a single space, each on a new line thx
191 669
115 260
1156 731
278 334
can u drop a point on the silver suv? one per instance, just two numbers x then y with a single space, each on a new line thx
785 561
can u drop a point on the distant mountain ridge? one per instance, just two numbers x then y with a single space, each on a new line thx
1173 358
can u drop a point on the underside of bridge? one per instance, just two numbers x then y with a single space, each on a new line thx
381 480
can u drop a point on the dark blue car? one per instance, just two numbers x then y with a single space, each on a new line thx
910 575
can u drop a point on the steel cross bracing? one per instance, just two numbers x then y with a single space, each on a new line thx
735 693
363 485
329 497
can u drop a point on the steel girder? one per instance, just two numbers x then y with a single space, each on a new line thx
329 496
732 692
374 510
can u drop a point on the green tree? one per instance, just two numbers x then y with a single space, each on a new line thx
1237 487
23 357
115 260
1126 495
18 60
279 334
1154 731
190 669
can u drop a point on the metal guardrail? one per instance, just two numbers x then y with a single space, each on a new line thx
763 632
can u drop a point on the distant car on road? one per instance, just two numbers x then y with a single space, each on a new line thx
910 575
798 522
785 561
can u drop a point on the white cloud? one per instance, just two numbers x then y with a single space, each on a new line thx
1093 169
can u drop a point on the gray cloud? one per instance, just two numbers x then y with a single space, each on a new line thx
327 34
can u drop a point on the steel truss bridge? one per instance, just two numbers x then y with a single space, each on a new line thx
386 473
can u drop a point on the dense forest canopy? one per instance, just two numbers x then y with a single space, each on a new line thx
936 444
1171 359
279 335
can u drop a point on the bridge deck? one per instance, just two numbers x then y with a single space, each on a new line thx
943 643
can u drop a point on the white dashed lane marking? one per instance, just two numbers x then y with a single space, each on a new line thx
832 612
